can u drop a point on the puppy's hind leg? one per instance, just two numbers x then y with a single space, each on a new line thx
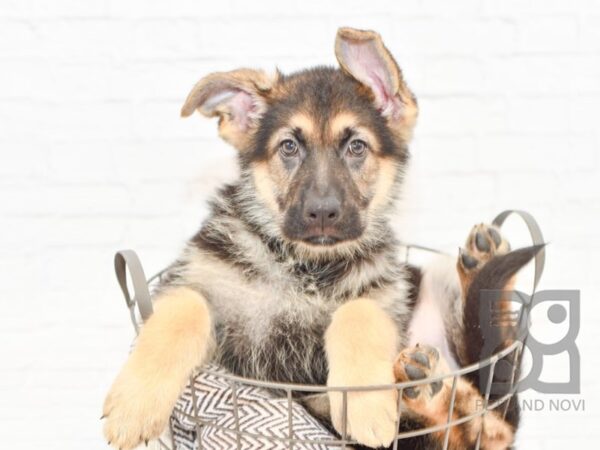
486 264
174 340
429 403
490 323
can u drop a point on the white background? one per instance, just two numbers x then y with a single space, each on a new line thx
95 158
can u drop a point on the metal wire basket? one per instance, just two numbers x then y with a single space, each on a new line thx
140 307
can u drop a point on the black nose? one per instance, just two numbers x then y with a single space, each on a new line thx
322 211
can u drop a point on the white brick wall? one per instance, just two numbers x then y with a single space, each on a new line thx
95 158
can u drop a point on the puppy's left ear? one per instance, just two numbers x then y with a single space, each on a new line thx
237 97
363 56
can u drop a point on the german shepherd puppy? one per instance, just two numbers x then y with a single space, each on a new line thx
295 275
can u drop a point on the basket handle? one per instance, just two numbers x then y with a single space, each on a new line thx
128 260
536 237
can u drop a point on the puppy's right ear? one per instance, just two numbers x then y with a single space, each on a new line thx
238 98
363 56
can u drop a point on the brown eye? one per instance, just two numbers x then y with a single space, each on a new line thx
357 148
288 148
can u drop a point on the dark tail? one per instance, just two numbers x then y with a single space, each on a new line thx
484 289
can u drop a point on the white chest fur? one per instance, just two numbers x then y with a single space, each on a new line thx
254 304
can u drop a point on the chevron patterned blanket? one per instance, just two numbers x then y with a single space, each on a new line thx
261 415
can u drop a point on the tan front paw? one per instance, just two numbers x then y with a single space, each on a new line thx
137 409
371 416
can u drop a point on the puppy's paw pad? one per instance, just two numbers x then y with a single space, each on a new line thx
418 363
483 243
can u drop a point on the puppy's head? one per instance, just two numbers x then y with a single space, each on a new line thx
322 150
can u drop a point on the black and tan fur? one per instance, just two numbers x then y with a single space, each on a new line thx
294 276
